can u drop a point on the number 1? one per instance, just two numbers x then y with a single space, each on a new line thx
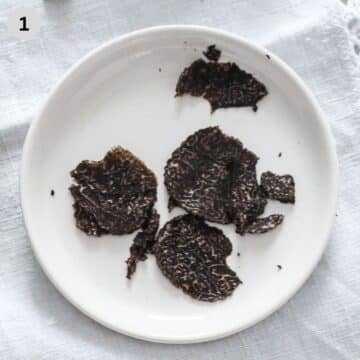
23 27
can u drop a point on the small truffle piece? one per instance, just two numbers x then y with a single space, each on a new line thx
222 84
143 243
113 195
263 225
212 53
278 187
192 255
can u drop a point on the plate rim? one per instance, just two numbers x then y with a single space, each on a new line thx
325 128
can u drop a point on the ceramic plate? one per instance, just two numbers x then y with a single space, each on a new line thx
123 94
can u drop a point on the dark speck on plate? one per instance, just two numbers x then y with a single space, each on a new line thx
238 254
268 56
280 154
279 267
160 69
212 53
52 192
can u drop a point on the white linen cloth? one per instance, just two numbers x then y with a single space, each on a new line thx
317 39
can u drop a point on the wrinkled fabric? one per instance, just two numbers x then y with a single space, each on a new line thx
317 39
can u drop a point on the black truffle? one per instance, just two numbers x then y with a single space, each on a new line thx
213 176
212 53
278 187
114 195
222 84
263 225
143 242
192 255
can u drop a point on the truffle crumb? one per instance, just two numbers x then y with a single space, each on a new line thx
212 53
52 192
279 267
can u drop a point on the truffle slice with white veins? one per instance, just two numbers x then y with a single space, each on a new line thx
213 176
278 187
116 196
223 85
263 225
192 255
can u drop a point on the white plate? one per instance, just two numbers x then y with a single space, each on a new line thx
118 95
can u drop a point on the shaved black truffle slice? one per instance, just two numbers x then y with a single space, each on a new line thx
263 225
197 176
222 84
113 195
278 187
213 176
212 53
192 255
116 196
143 243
